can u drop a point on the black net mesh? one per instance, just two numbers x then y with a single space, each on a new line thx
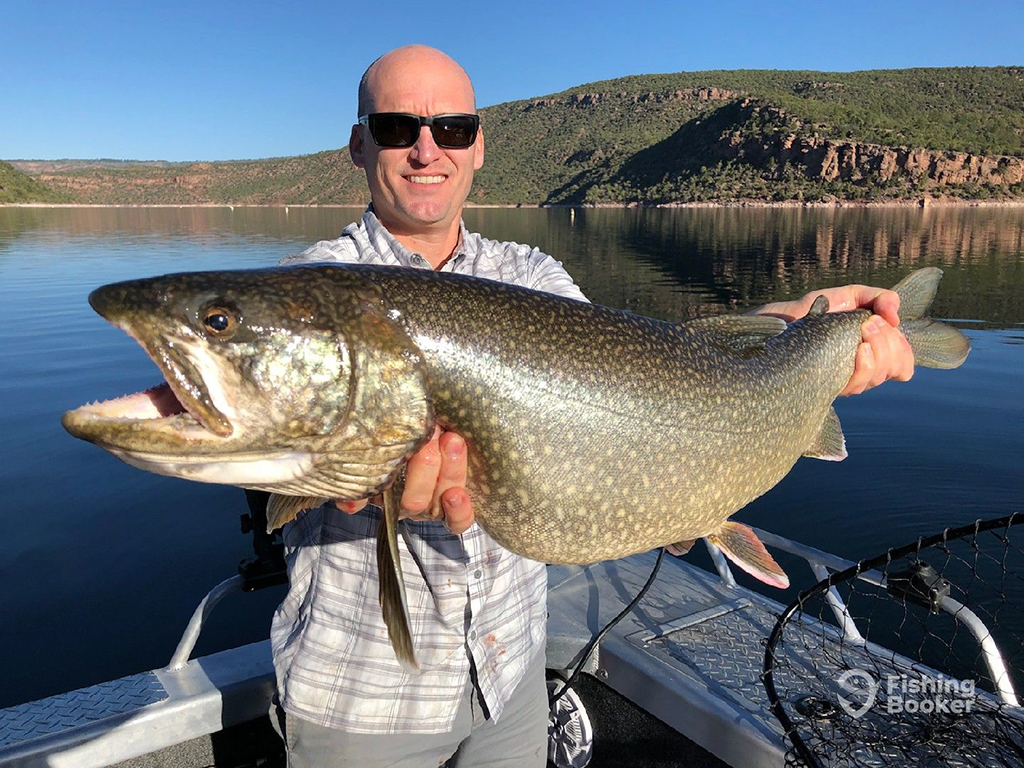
915 657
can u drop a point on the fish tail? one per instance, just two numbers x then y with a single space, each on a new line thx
393 601
935 344
740 544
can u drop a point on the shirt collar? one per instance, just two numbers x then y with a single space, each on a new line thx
386 244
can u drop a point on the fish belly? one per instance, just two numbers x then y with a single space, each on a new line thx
585 483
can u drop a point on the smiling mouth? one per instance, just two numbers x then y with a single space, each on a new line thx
426 179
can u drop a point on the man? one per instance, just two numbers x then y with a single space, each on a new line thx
477 611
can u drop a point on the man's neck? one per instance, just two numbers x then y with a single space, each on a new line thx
436 247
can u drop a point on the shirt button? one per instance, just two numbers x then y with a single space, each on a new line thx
477 574
472 634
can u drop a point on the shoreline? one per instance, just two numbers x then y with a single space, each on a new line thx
922 203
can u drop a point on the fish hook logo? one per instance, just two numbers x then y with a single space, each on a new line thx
861 690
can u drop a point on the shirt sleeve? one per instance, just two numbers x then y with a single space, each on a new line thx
547 274
342 249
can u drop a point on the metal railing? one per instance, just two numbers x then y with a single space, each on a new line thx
822 563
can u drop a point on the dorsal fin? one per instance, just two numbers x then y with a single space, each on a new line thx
819 307
740 332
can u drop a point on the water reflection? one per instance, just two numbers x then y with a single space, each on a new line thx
669 263
684 263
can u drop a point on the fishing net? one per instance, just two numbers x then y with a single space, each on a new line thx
915 657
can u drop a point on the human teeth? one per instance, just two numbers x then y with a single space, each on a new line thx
426 179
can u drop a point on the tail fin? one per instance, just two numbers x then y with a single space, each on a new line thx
935 344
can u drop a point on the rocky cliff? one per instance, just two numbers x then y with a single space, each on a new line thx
829 160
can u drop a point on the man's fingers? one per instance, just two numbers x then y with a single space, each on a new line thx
901 356
863 370
884 354
893 351
873 332
453 464
421 475
887 305
450 498
458 510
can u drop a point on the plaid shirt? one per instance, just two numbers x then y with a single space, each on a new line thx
469 598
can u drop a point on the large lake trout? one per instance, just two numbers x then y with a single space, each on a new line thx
592 433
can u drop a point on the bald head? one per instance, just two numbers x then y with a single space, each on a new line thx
414 69
417 190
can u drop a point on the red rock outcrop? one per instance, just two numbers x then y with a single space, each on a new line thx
832 159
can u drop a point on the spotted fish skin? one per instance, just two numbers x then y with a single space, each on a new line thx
592 433
595 433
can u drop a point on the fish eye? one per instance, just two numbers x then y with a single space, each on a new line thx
219 322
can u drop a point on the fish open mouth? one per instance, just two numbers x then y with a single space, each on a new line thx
158 405
181 406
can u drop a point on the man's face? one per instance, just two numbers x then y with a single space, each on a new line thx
421 188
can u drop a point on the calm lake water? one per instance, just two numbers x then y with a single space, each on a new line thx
102 564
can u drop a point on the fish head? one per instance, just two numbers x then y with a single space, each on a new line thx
262 370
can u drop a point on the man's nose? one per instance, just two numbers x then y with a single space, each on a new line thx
425 150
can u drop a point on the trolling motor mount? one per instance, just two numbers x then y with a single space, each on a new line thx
267 567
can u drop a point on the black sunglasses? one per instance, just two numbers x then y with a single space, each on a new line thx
399 130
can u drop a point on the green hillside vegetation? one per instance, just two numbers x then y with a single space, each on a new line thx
629 140
969 109
691 136
17 187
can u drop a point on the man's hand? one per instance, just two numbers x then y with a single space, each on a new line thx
884 353
435 480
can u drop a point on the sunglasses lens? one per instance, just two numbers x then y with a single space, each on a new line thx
455 131
390 130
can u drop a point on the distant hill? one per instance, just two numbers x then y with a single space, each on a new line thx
18 187
662 139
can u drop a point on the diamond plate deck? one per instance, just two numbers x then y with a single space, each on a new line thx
725 650
45 717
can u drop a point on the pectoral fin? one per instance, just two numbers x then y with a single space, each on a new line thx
741 545
830 443
392 584
283 509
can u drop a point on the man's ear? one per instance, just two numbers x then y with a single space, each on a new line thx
478 162
355 147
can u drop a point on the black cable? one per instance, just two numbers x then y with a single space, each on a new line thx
596 639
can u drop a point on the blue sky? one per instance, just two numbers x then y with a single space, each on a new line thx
222 80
